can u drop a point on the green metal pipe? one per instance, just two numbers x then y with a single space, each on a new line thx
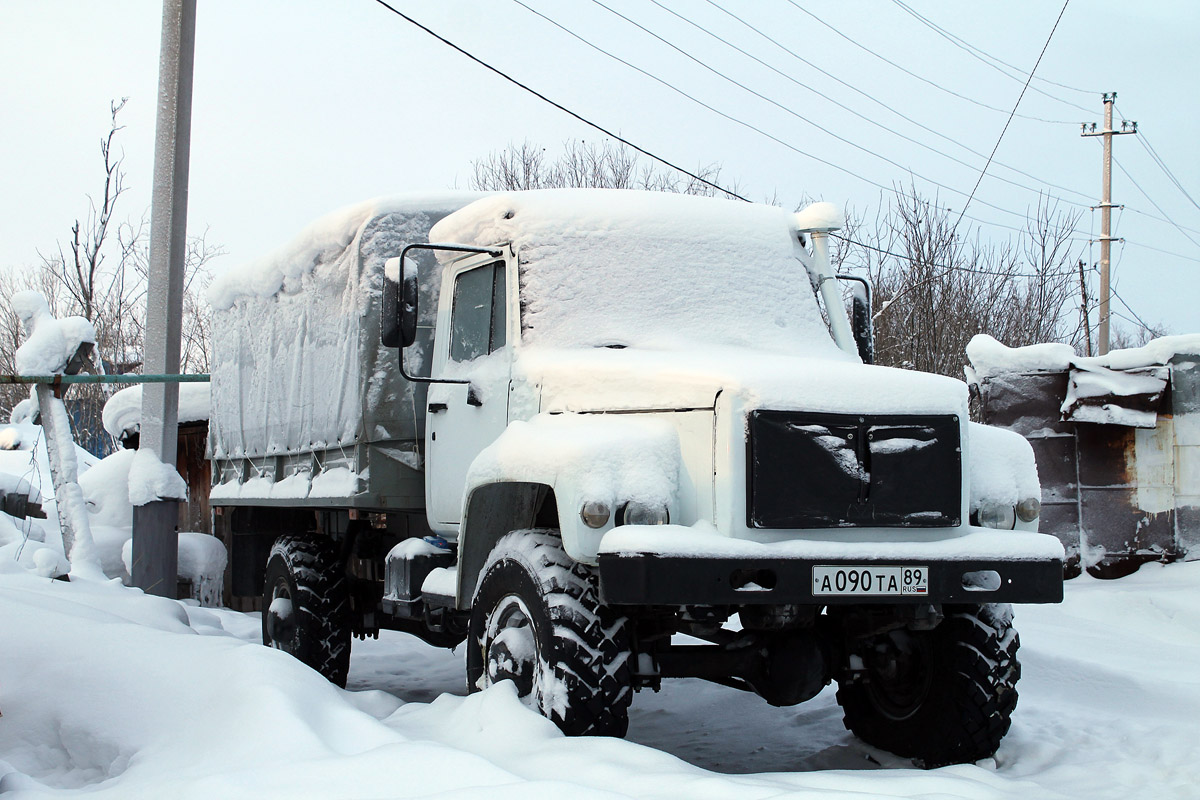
61 379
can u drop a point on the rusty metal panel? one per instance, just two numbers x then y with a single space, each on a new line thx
1116 534
1029 404
1025 403
1185 406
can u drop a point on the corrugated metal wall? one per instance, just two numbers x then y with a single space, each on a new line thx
1116 495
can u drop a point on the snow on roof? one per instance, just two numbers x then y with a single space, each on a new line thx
989 357
612 266
321 242
123 411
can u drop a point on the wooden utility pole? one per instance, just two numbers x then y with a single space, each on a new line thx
1106 207
155 540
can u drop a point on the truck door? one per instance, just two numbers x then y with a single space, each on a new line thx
472 343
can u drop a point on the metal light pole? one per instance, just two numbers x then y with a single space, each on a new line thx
155 541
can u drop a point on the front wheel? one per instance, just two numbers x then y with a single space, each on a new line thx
306 605
944 696
537 620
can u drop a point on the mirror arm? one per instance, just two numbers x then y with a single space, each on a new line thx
446 248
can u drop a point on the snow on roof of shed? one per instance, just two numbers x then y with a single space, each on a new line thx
322 241
123 411
990 357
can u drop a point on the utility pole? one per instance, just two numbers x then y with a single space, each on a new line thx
155 541
1106 207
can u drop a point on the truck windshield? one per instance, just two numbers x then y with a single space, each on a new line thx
682 299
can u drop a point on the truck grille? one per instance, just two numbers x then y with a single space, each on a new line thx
849 470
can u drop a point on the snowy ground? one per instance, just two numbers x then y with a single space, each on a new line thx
112 693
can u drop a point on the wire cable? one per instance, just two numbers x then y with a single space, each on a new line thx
952 140
863 117
803 118
1138 186
1014 109
974 52
559 106
921 78
954 267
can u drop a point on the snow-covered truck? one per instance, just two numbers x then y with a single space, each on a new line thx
610 437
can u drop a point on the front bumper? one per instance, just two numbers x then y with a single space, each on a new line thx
650 566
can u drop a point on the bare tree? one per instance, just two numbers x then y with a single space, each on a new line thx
101 274
937 285
591 165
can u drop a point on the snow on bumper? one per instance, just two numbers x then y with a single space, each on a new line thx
679 565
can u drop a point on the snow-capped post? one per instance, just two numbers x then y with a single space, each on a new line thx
57 347
155 496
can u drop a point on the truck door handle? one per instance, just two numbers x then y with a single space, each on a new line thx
435 408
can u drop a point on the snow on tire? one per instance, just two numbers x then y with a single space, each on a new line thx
537 620
940 697
306 605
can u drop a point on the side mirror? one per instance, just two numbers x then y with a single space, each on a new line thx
399 318
860 317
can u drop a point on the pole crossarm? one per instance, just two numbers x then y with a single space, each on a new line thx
131 379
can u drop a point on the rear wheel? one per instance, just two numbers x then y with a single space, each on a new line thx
306 605
944 696
537 620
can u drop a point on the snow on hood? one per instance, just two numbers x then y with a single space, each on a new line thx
989 357
320 242
123 411
609 266
635 378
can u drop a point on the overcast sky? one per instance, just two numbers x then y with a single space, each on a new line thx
303 107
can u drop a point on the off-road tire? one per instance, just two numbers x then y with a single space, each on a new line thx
955 701
309 574
579 673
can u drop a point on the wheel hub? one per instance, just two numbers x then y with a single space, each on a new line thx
281 620
510 646
900 674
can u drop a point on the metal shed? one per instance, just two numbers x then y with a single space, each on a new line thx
1117 442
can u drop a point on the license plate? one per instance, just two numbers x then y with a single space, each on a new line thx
864 580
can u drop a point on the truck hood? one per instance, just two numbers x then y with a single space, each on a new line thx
632 379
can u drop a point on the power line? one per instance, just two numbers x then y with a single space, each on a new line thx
921 78
1014 109
1156 205
847 108
954 267
1166 170
801 117
559 106
975 53
1140 321
892 109
696 100
672 165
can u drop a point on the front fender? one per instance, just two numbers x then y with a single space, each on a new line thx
610 458
1002 469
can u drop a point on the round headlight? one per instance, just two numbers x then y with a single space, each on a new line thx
1028 509
999 516
635 513
594 514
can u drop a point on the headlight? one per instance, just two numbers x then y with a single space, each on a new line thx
1028 509
1003 517
635 513
594 514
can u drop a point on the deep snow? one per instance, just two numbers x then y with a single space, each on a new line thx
111 692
